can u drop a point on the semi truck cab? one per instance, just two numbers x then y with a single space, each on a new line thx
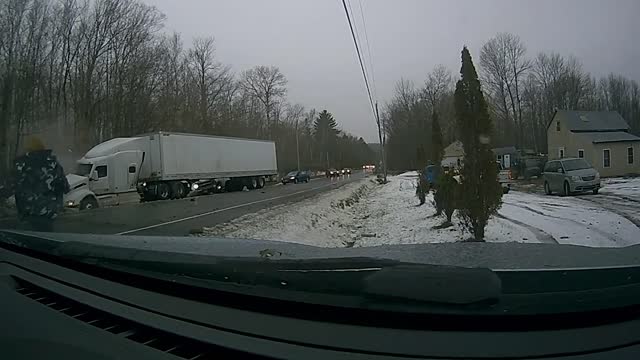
107 170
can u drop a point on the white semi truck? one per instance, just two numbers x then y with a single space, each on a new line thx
168 165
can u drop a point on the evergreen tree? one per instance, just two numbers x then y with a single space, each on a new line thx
325 131
480 194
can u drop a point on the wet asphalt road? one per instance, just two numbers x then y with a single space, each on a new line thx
181 217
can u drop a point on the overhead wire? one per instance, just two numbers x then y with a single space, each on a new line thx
366 37
364 73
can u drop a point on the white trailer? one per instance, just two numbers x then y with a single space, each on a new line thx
167 165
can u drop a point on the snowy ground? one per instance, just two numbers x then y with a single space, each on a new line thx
367 214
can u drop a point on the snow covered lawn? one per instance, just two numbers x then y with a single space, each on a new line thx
365 213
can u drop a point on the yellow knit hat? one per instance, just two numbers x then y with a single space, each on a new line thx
33 143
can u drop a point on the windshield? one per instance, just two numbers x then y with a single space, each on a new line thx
405 137
576 164
84 169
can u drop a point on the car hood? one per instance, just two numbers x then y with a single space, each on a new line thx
75 180
582 172
509 255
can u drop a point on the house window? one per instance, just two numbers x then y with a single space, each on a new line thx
606 158
561 152
581 153
630 155
558 125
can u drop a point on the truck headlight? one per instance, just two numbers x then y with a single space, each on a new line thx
144 184
194 186
70 203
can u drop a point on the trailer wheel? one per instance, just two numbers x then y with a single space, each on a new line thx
178 190
164 191
254 183
88 203
260 182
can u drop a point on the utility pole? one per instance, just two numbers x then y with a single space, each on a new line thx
297 146
383 157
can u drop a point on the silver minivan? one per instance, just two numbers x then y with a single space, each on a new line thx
572 175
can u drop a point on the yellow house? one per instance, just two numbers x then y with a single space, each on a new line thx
600 137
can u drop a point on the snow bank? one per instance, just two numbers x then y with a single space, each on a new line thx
365 213
324 220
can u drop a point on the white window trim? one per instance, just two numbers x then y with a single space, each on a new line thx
582 153
633 155
561 148
603 165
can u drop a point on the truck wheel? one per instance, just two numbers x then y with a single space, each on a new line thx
164 191
260 182
88 203
254 183
178 190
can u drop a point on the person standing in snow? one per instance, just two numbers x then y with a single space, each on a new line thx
40 185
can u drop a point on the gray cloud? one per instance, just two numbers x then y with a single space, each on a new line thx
310 41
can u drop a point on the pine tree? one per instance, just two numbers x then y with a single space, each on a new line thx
480 193
325 130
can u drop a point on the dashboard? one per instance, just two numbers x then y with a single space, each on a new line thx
53 309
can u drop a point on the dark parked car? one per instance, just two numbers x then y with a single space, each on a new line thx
332 173
296 177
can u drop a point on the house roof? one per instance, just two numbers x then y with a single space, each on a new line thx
454 149
504 150
581 121
599 137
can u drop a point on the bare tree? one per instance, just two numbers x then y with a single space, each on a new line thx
268 85
504 66
210 76
437 84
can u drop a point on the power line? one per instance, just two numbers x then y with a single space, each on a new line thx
364 56
364 73
366 37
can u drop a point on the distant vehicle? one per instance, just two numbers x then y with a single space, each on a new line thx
164 165
571 175
296 177
332 173
528 167
346 171
504 178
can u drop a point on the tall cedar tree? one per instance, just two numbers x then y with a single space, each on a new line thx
480 193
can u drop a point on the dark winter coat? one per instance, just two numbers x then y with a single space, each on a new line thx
40 184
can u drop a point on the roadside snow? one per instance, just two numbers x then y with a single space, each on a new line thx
570 220
365 213
318 221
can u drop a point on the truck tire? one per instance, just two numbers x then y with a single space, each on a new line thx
88 203
233 185
164 191
254 183
260 182
178 190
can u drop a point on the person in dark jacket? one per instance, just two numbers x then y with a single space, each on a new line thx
40 185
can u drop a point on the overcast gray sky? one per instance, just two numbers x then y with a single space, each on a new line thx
309 40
